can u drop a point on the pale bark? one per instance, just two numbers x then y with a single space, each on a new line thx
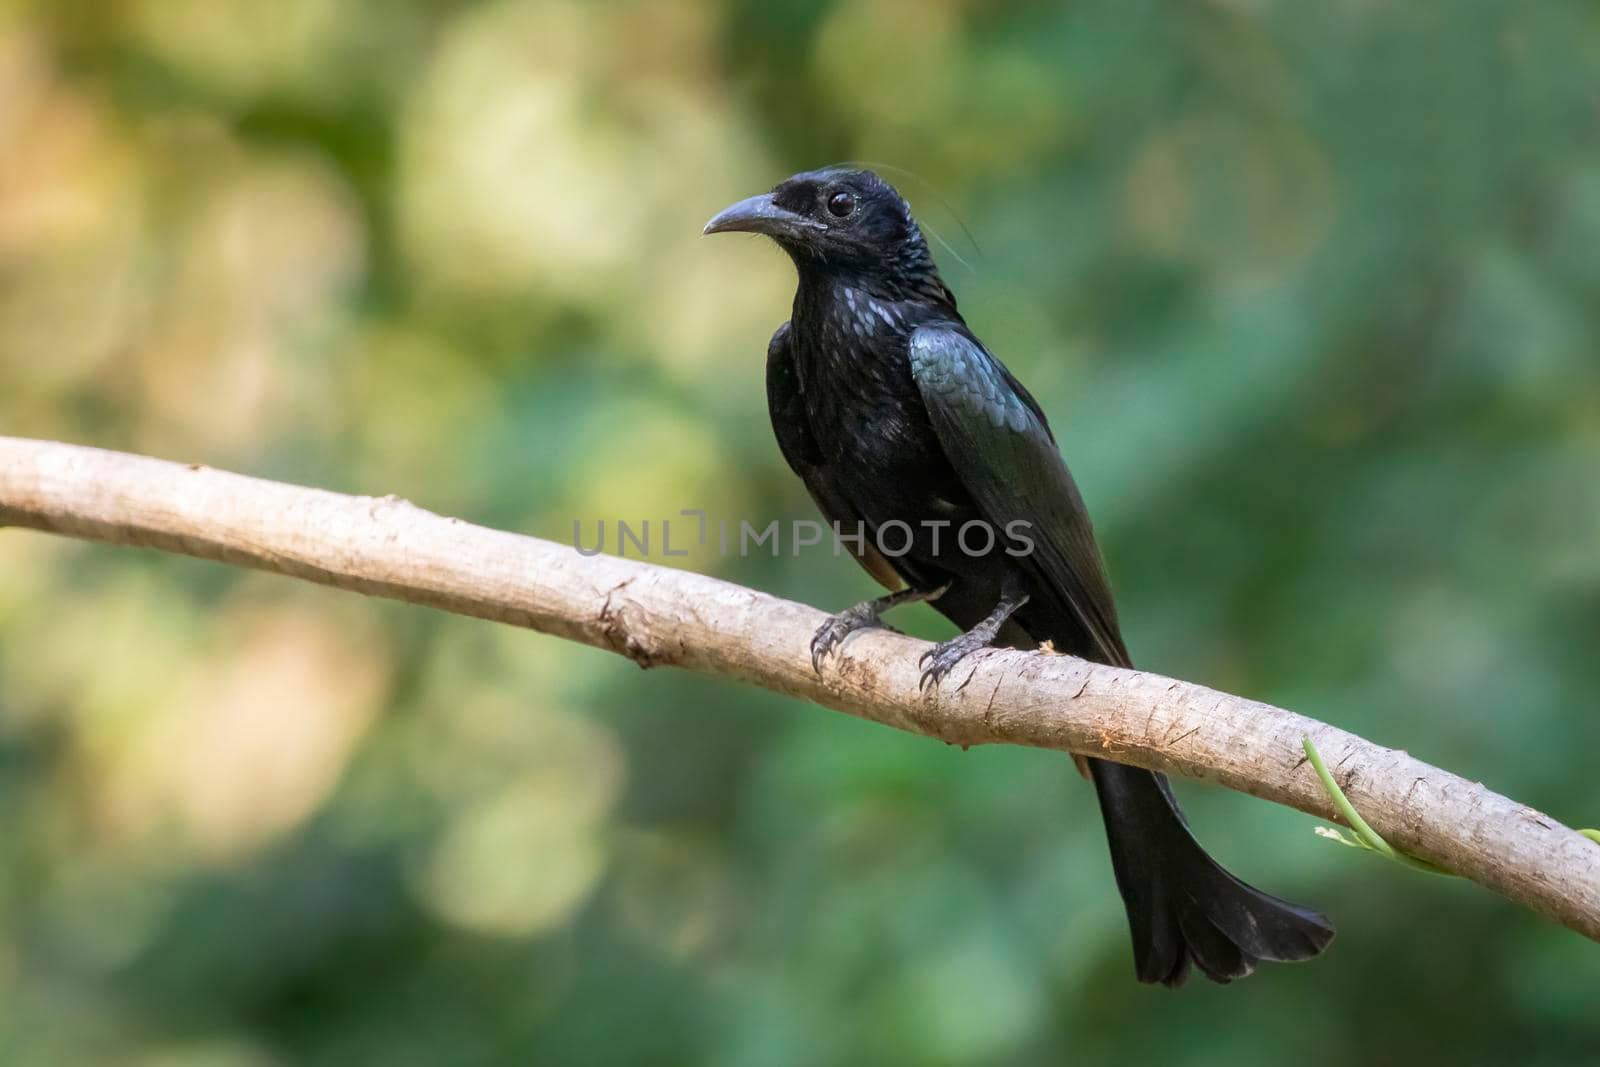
662 617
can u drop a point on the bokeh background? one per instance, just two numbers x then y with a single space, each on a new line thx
1309 291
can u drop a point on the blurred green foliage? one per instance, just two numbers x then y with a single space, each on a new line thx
1309 290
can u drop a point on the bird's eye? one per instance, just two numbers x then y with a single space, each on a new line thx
841 204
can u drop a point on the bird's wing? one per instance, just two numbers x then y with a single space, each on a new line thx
1000 445
792 428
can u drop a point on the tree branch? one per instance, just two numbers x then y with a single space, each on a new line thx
662 617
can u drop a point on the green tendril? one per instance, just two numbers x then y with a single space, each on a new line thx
1365 836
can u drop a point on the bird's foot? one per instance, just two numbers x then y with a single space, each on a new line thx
863 616
838 627
942 658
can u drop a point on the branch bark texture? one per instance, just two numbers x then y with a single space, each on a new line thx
662 617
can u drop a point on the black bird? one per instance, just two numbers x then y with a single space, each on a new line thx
897 418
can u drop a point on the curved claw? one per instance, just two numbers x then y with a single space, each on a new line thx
863 616
822 643
944 657
833 632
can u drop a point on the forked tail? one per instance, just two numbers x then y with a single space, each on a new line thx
1182 906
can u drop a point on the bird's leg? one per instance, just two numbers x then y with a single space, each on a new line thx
862 616
941 658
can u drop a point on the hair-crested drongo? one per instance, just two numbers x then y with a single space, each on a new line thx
892 412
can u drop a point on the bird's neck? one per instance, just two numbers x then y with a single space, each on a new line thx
823 280
844 314
851 346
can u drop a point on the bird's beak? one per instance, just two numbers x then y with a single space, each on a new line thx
759 214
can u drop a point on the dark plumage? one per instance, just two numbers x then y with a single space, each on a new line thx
891 410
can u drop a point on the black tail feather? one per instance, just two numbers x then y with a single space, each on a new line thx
1183 908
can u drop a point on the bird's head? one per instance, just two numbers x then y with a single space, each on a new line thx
845 222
